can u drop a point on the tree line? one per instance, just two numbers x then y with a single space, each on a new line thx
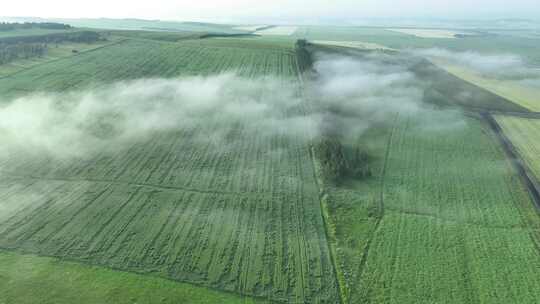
6 26
78 37
9 53
24 47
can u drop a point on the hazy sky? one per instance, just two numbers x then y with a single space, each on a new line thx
272 9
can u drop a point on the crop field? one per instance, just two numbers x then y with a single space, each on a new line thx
236 201
420 231
278 31
528 48
524 133
429 33
132 59
56 52
353 44
243 219
515 91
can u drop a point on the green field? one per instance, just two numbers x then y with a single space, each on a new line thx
55 52
225 211
133 59
523 133
527 47
241 220
33 279
442 220
525 96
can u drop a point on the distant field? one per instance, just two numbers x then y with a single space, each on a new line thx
526 96
32 279
134 59
31 32
428 33
525 136
444 219
54 52
278 31
156 25
249 28
526 47
353 44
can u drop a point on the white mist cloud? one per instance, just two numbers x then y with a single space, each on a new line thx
348 96
501 66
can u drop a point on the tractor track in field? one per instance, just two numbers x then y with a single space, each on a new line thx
515 159
380 217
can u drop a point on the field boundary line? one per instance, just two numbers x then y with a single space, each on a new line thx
379 219
116 182
323 196
528 115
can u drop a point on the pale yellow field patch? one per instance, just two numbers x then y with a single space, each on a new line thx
278 31
249 28
354 44
515 91
525 136
429 33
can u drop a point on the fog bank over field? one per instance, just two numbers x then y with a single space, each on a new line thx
346 98
500 66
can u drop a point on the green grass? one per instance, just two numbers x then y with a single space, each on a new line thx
524 135
445 221
33 279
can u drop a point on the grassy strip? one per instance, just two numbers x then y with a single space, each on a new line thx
330 229
34 279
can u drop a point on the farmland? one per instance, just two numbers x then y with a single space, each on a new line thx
429 33
254 214
415 226
521 94
523 134
278 30
153 59
261 198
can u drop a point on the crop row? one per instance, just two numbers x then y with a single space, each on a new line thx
265 245
456 224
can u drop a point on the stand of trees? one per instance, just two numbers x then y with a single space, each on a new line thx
9 53
79 37
24 47
5 26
